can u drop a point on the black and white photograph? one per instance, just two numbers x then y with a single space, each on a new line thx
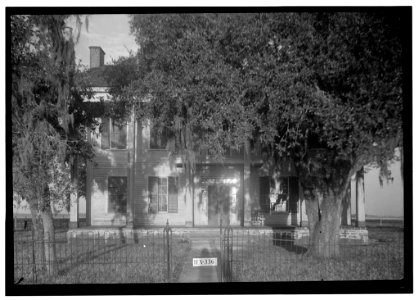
248 150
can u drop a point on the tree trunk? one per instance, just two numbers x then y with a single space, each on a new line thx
49 241
313 199
74 196
189 196
38 235
324 239
36 224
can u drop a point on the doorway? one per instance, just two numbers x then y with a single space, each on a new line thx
218 205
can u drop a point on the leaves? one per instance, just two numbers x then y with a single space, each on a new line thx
288 82
49 119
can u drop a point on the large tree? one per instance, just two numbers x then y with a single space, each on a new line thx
48 119
322 89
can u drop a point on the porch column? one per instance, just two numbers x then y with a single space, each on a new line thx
89 182
74 199
346 208
130 193
300 204
360 199
246 187
131 172
74 211
89 193
188 197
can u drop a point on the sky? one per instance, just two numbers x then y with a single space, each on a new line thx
111 32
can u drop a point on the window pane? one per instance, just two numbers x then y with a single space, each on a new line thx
104 143
163 186
173 191
153 185
282 199
118 182
157 188
117 194
154 143
119 136
122 203
163 203
283 187
112 203
237 152
293 194
264 193
153 204
153 189
158 137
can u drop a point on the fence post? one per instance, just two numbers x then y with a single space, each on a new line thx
33 257
221 250
167 238
230 254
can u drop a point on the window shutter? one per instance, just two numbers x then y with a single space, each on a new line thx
104 143
153 189
154 137
163 194
173 195
264 191
164 138
293 194
119 136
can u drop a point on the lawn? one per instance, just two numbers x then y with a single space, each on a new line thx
259 258
87 260
255 258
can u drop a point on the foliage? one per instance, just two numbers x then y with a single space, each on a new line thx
118 76
290 82
322 89
48 120
191 88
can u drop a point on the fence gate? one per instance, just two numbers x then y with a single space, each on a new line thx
226 254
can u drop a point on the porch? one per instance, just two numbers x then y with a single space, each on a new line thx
126 233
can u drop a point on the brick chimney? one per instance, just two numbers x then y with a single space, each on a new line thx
97 57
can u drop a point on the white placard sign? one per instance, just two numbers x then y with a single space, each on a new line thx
207 261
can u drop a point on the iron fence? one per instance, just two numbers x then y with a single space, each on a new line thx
145 256
99 257
60 222
278 256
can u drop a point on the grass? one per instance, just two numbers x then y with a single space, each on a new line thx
255 258
88 260
260 259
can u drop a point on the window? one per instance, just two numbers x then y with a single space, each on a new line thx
264 193
114 136
293 194
281 198
117 194
230 151
163 194
158 137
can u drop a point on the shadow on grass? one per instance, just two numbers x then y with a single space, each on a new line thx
286 241
84 257
180 263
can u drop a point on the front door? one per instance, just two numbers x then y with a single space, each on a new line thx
218 205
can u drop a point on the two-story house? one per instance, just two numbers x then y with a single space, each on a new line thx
134 181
